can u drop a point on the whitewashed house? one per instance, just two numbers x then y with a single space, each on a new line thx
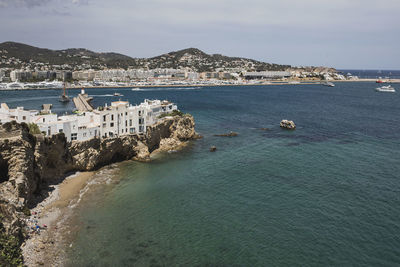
120 118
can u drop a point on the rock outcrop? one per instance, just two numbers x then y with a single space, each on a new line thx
29 163
230 134
286 124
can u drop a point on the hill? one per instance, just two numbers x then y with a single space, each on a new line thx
73 57
19 55
200 61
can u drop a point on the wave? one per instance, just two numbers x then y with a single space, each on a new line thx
166 88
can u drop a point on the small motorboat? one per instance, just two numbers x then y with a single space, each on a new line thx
328 84
117 94
387 88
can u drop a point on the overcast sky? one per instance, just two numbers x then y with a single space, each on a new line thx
363 34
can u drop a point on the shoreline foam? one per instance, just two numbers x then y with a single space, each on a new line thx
46 248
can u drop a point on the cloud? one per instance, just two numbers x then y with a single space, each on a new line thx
307 32
37 3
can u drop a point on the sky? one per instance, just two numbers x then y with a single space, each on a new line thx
345 34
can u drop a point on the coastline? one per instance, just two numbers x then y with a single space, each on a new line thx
305 82
54 212
38 196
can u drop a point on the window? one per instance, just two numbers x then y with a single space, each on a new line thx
112 124
23 117
60 131
84 134
126 123
130 122
44 119
104 125
112 117
126 113
74 136
104 117
132 130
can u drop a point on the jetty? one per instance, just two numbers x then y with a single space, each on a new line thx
82 101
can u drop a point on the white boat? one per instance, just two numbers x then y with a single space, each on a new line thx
117 94
387 88
135 89
328 84
15 85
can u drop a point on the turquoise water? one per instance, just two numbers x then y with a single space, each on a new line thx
324 194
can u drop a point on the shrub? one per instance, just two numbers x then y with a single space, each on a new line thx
33 128
173 114
10 250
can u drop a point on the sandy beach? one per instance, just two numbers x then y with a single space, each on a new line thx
45 247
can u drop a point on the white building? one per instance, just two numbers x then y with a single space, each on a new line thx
120 118
20 75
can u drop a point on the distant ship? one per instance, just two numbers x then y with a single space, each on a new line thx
64 98
387 88
328 84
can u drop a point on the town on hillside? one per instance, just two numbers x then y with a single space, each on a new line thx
26 67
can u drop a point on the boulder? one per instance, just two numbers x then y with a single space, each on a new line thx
286 124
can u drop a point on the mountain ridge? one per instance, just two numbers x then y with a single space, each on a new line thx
192 58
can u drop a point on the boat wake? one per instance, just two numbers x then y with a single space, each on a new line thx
107 95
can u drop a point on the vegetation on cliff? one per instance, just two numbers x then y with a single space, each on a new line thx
173 114
10 251
33 128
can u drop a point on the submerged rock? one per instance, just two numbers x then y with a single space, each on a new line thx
286 124
231 134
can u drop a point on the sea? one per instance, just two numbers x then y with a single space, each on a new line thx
325 194
372 74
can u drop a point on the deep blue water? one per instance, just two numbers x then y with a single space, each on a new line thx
327 193
373 74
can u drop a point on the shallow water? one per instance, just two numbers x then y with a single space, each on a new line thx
324 194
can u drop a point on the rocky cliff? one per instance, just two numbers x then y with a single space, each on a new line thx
29 163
